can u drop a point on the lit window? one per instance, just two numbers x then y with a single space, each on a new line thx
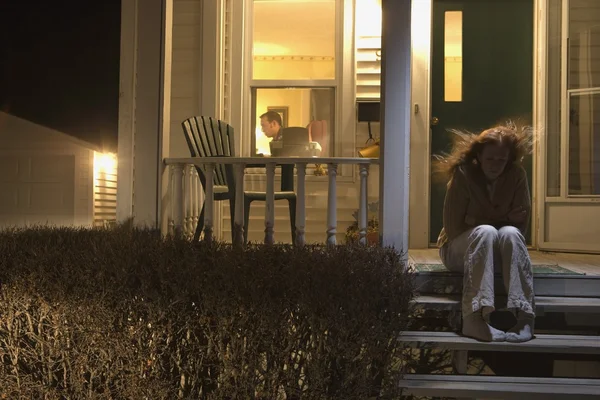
312 109
453 50
294 39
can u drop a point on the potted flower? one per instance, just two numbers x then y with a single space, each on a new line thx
352 232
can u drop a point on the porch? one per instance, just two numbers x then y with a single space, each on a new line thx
234 95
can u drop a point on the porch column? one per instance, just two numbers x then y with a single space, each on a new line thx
144 107
395 123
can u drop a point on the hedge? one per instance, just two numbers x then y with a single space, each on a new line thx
123 313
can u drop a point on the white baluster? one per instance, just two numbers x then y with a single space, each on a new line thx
362 208
238 234
209 203
195 199
270 205
301 205
178 200
331 205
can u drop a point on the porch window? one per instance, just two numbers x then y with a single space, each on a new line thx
296 106
293 68
573 99
583 98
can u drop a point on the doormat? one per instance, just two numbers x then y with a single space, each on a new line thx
539 269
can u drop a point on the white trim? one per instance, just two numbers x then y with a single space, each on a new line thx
345 105
567 247
574 200
540 108
239 74
420 137
295 83
164 131
247 70
269 160
127 85
221 37
590 90
564 128
395 124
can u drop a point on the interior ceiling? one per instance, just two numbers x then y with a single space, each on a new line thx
294 27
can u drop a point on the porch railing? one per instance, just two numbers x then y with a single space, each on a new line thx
186 194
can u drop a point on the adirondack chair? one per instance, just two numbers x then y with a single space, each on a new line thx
210 137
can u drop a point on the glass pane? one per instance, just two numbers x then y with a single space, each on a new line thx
553 126
453 56
294 121
584 44
294 39
584 144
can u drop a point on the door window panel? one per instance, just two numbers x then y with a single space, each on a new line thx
584 143
294 39
453 53
309 108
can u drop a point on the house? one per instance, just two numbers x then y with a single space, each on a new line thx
49 177
324 60
430 66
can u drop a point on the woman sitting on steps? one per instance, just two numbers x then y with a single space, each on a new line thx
486 213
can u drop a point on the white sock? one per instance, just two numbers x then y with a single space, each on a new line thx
523 330
475 326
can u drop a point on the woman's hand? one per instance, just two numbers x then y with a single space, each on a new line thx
517 215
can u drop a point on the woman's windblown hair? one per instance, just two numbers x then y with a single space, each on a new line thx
518 140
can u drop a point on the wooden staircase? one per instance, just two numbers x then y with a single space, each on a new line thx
560 299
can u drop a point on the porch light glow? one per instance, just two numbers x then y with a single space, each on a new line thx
104 162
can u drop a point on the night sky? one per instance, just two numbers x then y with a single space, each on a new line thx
59 65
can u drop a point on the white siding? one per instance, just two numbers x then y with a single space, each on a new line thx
105 195
186 69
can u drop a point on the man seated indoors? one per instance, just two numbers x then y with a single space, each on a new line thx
271 125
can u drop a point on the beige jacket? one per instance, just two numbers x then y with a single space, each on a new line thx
468 201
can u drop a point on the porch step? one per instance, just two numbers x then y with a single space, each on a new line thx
544 284
557 344
497 387
543 304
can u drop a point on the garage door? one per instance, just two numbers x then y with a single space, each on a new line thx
37 190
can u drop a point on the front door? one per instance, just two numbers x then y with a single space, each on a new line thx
481 74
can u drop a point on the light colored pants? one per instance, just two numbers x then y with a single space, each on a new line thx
478 253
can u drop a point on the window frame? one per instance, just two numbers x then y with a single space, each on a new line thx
566 94
343 138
